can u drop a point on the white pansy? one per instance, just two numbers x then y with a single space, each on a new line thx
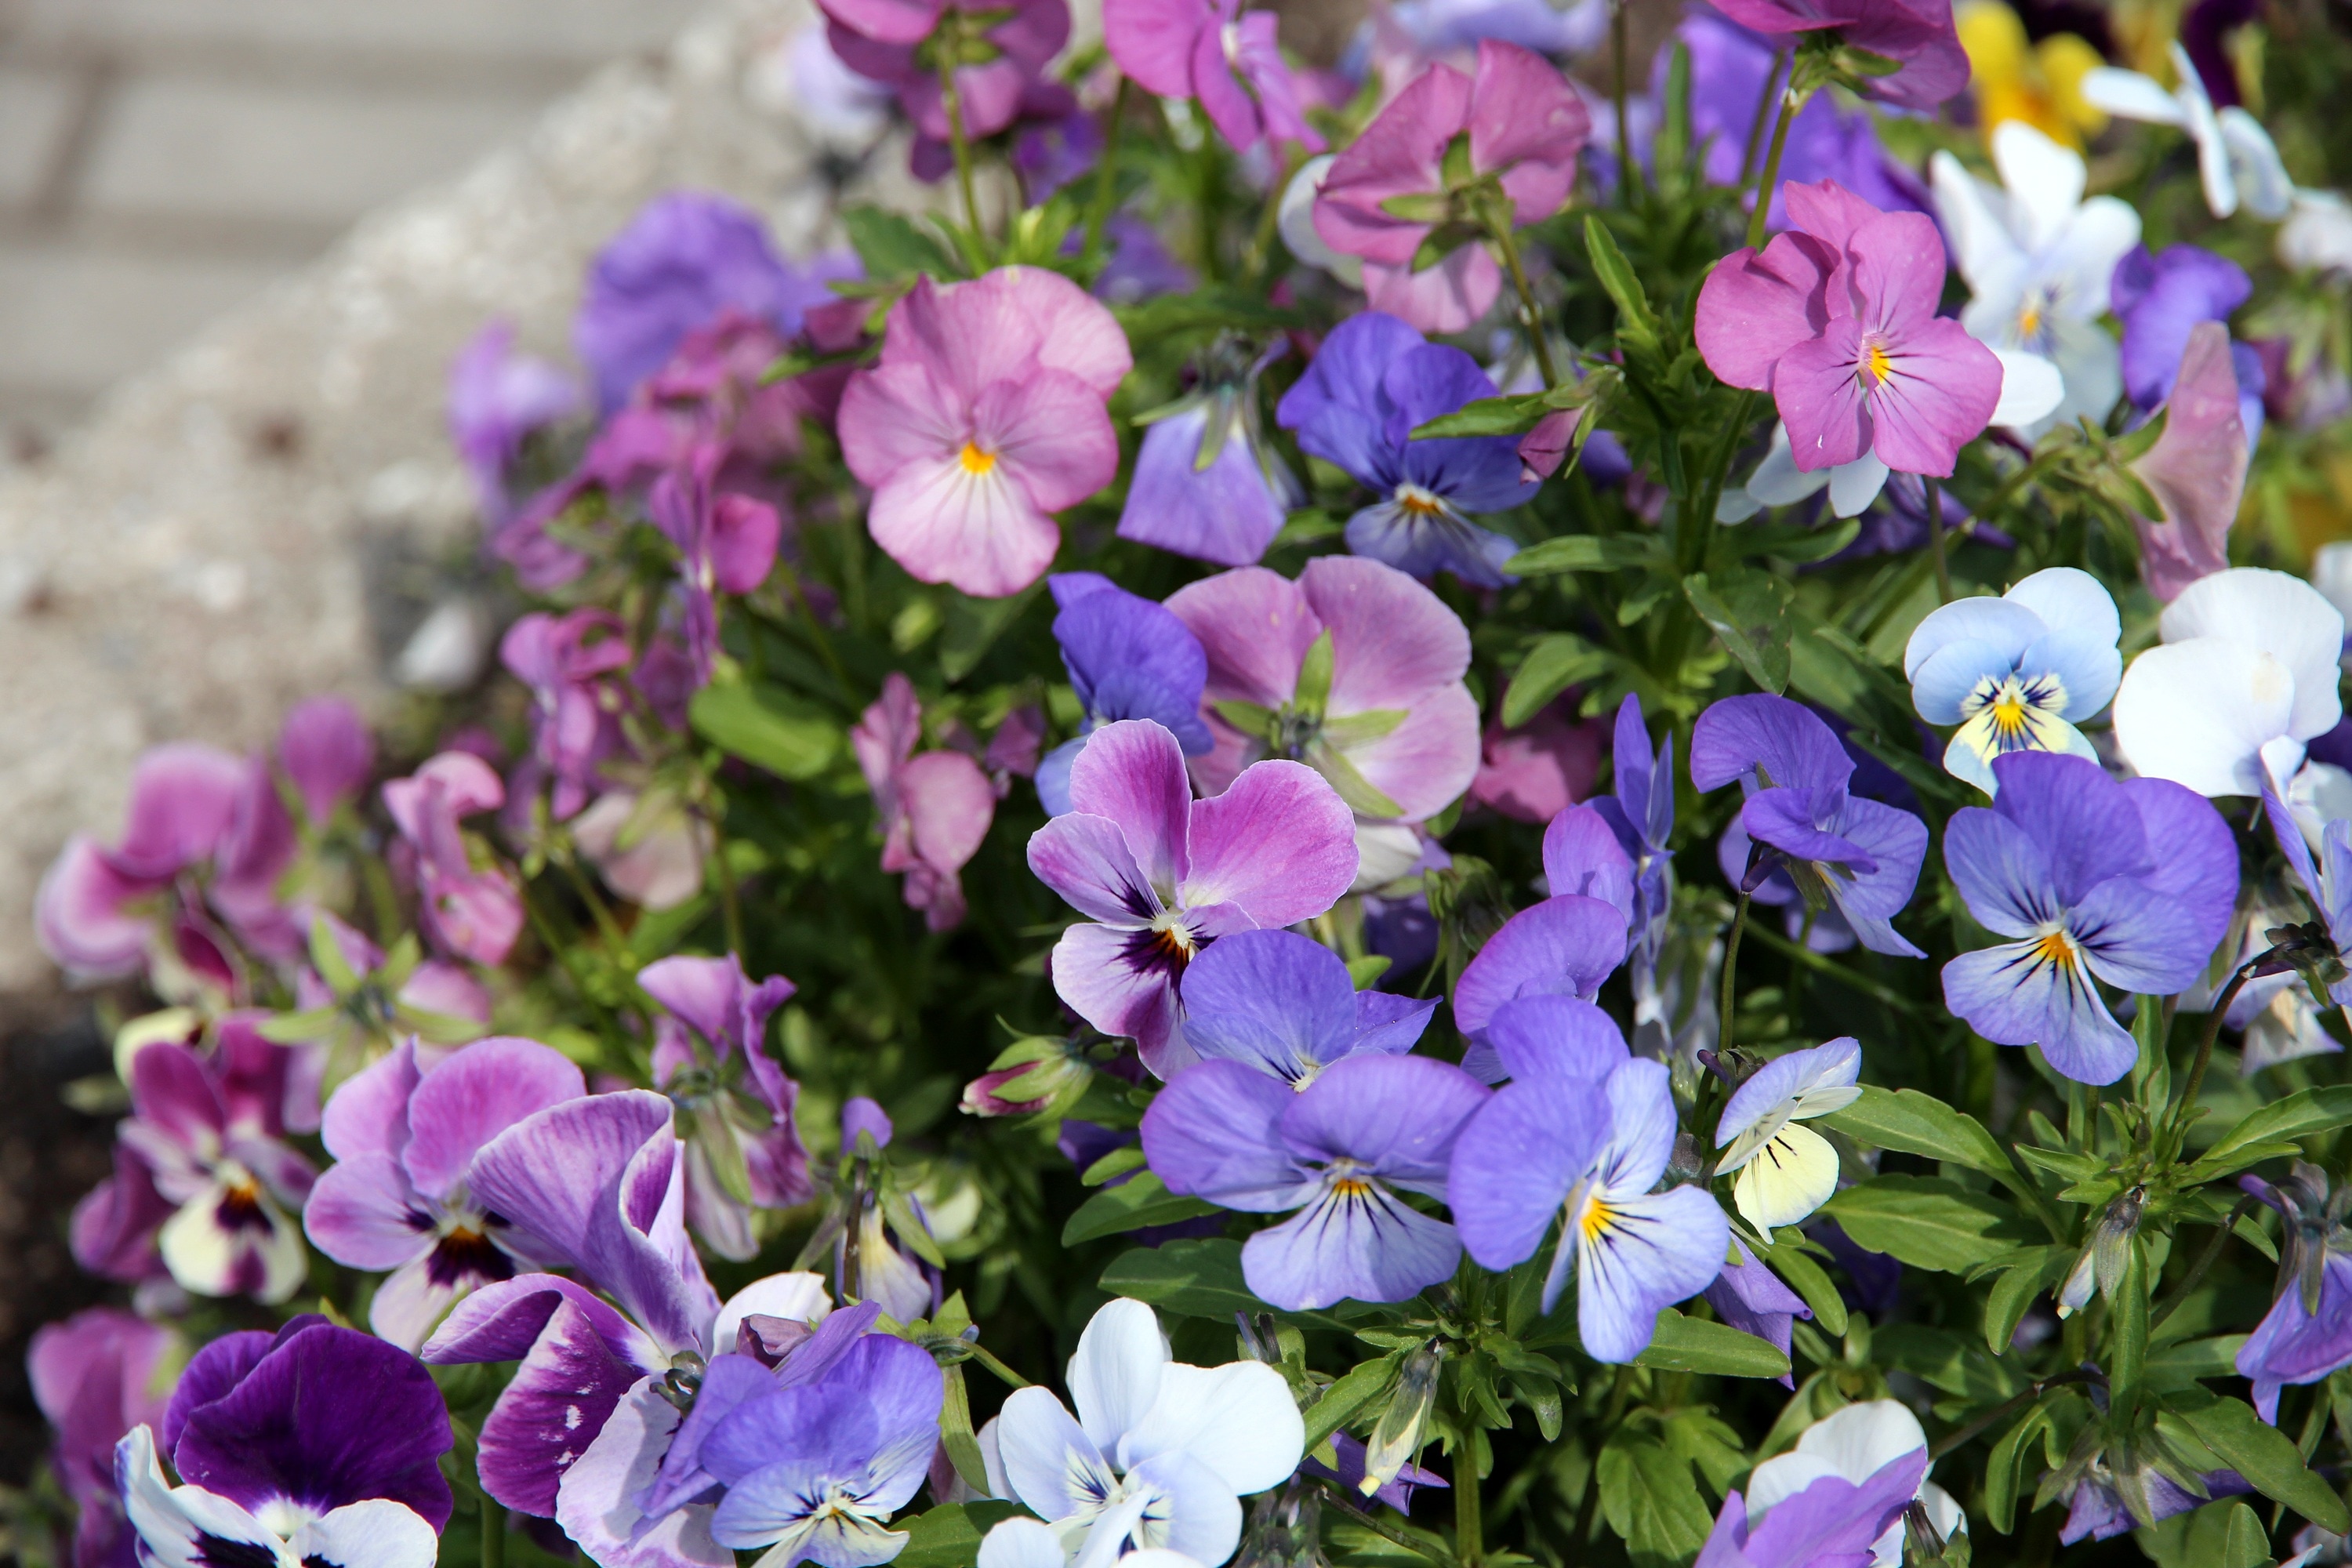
1854 1445
2235 157
1295 221
2246 675
188 1526
1159 1454
2037 258
2317 235
1023 1542
1786 1170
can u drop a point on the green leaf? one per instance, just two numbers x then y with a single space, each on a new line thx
2005 1470
2222 1534
790 737
2036 1271
1636 321
2319 1109
1513 415
1313 692
1652 1501
1116 1163
1551 667
1787 1258
1362 972
1197 1279
1581 553
1928 1223
2128 1312
972 625
1945 1359
1694 1344
891 247
1139 1201
2268 1459
948 1536
2177 1365
1750 614
1910 1122
1363 1387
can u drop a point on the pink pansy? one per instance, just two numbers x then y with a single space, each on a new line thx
96 1376
726 544
649 849
1211 50
2196 470
1525 126
1536 772
1397 734
881 39
201 1168
466 912
1917 35
1160 875
569 663
1837 319
325 748
935 809
984 417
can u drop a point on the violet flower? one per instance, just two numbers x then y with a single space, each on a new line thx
1206 483
2017 673
2105 1503
2131 882
2160 299
2307 1333
1917 34
203 1178
1832 1519
405 1134
497 399
316 1444
1354 669
983 416
1370 385
935 809
684 258
1284 1004
1539 770
999 51
726 544
1214 51
743 1150
1564 946
1582 1134
1748 1297
1127 657
1160 875
1641 812
1858 855
1837 319
96 1376
465 911
570 664
326 750
1854 1443
1524 125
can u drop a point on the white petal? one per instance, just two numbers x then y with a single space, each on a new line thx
2319 794
2068 599
1296 219
2197 117
2319 236
1859 1439
1049 1462
1780 1477
2130 95
376 1533
2331 573
596 1500
2046 180
1021 1543
2261 179
2198 713
1792 1174
2093 365
1853 486
1735 505
2030 386
800 1295
172 1521
1975 216
2102 232
1778 481
1238 1419
1115 1374
2282 616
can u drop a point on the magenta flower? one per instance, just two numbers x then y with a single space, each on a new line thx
1526 126
743 1148
935 809
884 41
1917 34
466 911
203 1178
325 748
497 398
984 417
1212 50
1392 728
1536 772
405 1134
1837 319
1158 875
726 544
568 662
96 1376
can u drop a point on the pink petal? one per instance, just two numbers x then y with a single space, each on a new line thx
744 534
1085 859
472 1098
81 912
950 803
1051 434
981 534
363 1214
898 414
1393 640
1229 108
328 753
887 734
1754 309
2197 470
1075 333
1827 211
1132 772
1526 120
1939 395
1898 271
1400 153
1097 978
1818 388
171 1091
1153 41
1534 773
1450 297
183 799
1280 844
445 989
1257 56
1425 764
887 21
1256 627
464 784
369 1114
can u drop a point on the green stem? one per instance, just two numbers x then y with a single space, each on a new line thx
2205 1262
1469 1530
1530 318
1701 522
2196 1079
951 104
1791 100
1373 1522
1755 143
606 926
1837 972
1107 184
731 904
494 1534
1731 973
1629 169
1936 539
1269 222
2019 1401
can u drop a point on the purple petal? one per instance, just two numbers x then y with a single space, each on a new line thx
369 1114
2198 869
1279 843
595 1502
1270 999
1754 309
1131 658
1227 513
1336 407
1834 1520
1396 1116
1515 1162
1581 854
2003 873
1123 982
1556 1038
1367 1246
328 753
476 1095
1784 819
557 1403
2084 820
363 1212
1656 1250
1214 1133
82 912
1387 1022
2138 941
210 1375
1132 772
1086 860
2291 1345
1739 736
1563 946
2016 994
1894 844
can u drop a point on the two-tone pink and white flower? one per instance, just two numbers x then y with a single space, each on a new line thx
985 416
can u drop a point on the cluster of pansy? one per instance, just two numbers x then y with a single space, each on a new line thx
1268 605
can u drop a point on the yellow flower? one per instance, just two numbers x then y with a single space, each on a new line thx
2041 84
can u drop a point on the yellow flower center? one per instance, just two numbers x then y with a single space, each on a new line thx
2054 947
974 460
1596 1221
2029 320
1351 1187
2009 713
1418 501
1876 361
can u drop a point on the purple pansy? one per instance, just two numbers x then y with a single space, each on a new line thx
466 911
743 1150
1640 813
96 1376
1374 381
1206 483
1860 855
1750 1298
570 664
405 1134
1832 1520
1284 1003
2160 298
497 398
1127 657
316 1444
1917 34
2131 882
2307 1333
1158 875
1564 946
1581 1135
726 544
1335 1151
2096 1511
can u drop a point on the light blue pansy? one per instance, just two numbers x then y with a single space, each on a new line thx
2017 673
